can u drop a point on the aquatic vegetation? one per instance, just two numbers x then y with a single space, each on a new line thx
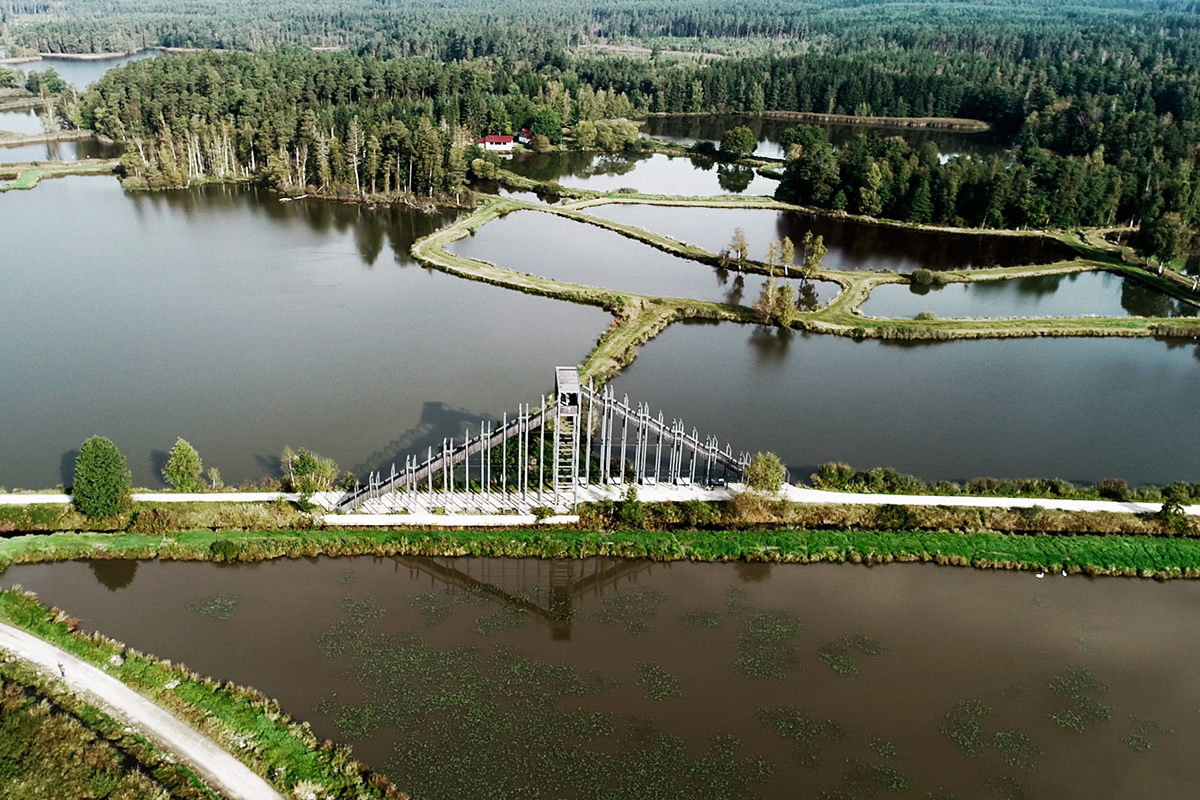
1139 737
1077 684
882 748
1009 788
700 619
362 610
867 779
656 682
348 578
735 600
217 606
1088 645
838 654
324 706
763 647
434 607
501 620
1016 748
805 732
474 723
632 609
962 725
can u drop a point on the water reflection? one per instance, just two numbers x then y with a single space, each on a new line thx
649 173
113 574
1063 295
60 151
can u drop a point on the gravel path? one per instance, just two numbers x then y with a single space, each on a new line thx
221 771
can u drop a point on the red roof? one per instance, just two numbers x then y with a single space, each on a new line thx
495 140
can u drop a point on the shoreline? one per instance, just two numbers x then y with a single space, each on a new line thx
954 124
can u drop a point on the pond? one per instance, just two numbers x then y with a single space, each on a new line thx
575 252
23 122
687 130
648 173
245 324
84 71
1078 409
60 151
1077 294
580 678
852 245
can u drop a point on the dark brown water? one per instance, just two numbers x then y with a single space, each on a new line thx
576 252
244 324
1077 294
687 130
1017 408
852 245
649 173
466 678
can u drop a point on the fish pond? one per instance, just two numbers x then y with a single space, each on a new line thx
1071 295
469 678
554 247
245 324
1078 409
81 150
24 122
852 245
648 173
687 130
83 72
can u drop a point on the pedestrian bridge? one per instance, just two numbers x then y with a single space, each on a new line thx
548 455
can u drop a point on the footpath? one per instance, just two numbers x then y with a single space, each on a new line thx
222 772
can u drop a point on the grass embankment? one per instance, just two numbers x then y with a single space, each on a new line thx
54 745
1114 554
27 176
249 725
148 518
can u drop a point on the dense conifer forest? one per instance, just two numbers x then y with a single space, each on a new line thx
1102 100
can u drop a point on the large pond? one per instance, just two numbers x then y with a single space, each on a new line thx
471 678
648 173
852 245
24 122
83 71
575 252
60 151
1079 409
244 324
1077 294
687 130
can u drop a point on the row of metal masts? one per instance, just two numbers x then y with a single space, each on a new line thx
465 466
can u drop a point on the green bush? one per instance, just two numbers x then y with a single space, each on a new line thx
765 473
631 513
154 521
306 472
1113 489
184 467
921 277
225 549
102 479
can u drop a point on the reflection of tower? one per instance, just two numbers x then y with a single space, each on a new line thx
561 601
566 435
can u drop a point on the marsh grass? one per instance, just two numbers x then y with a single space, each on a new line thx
220 607
657 684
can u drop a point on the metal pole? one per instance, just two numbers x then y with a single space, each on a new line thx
587 457
624 434
557 436
504 457
695 443
542 453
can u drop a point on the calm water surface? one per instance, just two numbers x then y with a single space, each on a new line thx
60 151
585 254
243 325
852 245
544 674
688 130
21 122
649 173
1081 293
81 72
1013 408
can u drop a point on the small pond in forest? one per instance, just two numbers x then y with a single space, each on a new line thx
470 678
1072 295
648 173
576 252
60 151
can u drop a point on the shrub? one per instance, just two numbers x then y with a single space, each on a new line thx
631 513
895 518
225 549
921 277
1172 514
306 472
765 473
1113 489
184 467
102 479
926 316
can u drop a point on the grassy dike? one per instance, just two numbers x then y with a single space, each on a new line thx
1092 554
27 176
246 723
